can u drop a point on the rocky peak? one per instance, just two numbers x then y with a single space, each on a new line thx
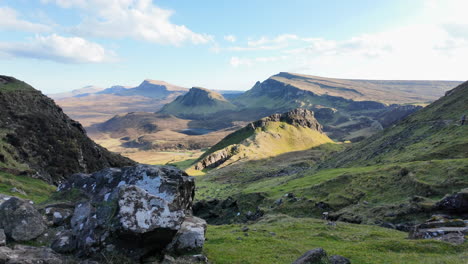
296 117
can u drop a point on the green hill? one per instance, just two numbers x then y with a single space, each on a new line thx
198 103
431 133
270 136
396 176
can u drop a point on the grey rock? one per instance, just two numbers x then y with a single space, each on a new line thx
30 255
59 214
20 220
190 238
441 228
139 210
65 242
456 203
2 238
314 256
336 259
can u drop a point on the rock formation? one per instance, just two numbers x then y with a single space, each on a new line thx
134 212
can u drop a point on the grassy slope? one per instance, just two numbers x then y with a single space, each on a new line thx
360 243
36 190
424 157
273 139
431 133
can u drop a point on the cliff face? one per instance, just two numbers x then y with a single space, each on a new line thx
38 139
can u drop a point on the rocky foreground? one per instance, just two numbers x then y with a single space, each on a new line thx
134 214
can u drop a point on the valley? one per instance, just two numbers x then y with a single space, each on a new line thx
270 182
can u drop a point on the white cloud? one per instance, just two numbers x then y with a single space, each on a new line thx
9 20
237 61
230 38
138 19
59 49
434 45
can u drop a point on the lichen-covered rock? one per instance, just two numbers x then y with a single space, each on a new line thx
20 220
30 255
190 238
135 210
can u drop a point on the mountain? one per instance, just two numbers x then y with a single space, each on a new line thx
296 90
348 109
77 92
270 136
431 133
153 89
37 138
92 108
198 103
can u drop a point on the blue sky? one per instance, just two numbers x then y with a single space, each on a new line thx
60 45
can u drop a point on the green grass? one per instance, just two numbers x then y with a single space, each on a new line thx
294 236
36 190
365 193
15 86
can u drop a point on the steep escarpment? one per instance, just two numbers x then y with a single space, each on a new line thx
197 103
273 135
37 138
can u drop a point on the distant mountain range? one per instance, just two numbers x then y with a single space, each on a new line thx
348 109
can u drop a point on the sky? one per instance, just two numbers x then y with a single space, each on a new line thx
61 45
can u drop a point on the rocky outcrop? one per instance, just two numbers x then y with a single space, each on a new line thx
237 143
441 228
454 204
20 220
135 212
319 256
296 117
41 137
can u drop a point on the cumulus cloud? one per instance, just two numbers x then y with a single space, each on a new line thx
138 19
230 38
9 20
59 49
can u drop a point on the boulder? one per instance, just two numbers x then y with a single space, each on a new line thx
314 256
20 220
455 204
137 210
319 256
190 238
336 259
30 255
